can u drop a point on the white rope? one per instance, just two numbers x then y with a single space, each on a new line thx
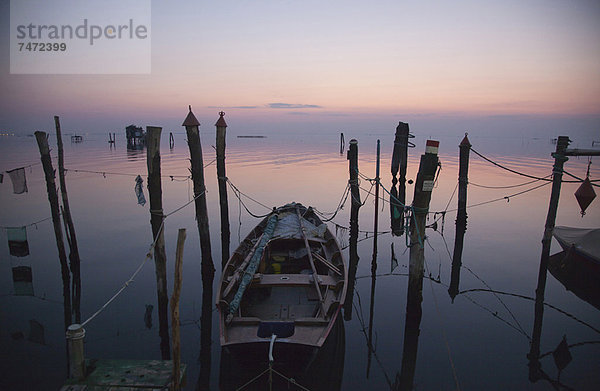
148 256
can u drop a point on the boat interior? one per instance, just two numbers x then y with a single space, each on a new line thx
283 289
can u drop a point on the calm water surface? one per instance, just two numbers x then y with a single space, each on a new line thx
479 340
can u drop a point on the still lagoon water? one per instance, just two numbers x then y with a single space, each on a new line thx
477 341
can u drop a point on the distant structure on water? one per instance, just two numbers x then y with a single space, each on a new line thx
136 137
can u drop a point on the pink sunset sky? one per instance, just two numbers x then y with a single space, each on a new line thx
335 64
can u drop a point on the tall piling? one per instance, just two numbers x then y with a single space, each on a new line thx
557 172
193 135
399 166
414 298
461 217
342 143
355 206
222 179
156 219
74 260
42 141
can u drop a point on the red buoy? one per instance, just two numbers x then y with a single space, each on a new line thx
585 195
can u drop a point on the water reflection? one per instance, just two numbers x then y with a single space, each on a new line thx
502 248
323 371
204 358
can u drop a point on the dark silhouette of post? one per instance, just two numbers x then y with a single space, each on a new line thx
156 220
412 323
374 260
414 297
355 206
557 171
42 141
461 217
74 260
203 383
193 135
399 165
222 179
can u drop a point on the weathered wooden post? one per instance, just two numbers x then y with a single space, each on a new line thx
355 206
42 140
193 134
461 217
376 222
156 219
342 143
420 208
175 308
75 335
414 297
74 260
399 163
222 179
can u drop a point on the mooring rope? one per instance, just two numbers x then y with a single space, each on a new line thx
527 175
238 195
148 256
508 186
339 207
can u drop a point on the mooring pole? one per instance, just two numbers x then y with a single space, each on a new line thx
171 140
74 260
342 143
461 217
355 206
222 179
175 307
156 219
75 335
399 165
420 208
193 134
42 140
414 296
557 171
376 222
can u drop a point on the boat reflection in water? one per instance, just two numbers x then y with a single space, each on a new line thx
578 266
248 368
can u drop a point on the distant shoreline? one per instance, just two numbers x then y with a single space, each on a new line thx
251 136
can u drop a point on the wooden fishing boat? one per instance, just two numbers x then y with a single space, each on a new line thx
287 280
577 267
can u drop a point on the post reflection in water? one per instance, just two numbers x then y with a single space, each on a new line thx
203 382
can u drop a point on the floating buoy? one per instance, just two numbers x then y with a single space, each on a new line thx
585 194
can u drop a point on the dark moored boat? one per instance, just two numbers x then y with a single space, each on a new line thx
286 279
577 267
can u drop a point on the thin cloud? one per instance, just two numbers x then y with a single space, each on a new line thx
280 105
232 107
